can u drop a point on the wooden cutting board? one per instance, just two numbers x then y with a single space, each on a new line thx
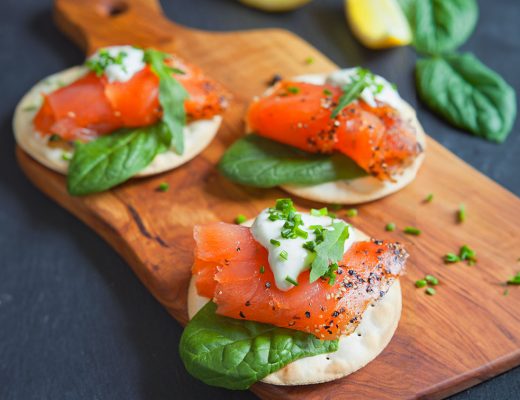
465 334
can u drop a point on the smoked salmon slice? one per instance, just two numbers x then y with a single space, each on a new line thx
92 106
299 114
231 268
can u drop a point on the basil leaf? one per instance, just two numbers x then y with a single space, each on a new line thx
350 93
110 160
260 162
234 353
440 26
330 250
468 94
171 97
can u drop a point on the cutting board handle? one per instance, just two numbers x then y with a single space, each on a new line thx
96 23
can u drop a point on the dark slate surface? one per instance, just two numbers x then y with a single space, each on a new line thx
74 321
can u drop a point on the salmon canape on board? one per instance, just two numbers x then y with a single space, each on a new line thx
343 138
126 112
297 298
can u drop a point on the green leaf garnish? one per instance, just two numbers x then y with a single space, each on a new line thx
330 250
112 159
352 91
235 353
514 280
171 97
260 162
240 219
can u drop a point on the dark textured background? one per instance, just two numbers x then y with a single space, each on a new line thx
75 323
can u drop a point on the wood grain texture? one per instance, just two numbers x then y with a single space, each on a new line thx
467 333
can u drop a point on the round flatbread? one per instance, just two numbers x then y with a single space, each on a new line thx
360 190
197 134
355 351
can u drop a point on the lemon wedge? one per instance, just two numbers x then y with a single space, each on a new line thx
275 5
378 23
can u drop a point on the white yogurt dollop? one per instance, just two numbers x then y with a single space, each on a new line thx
297 259
130 60
380 90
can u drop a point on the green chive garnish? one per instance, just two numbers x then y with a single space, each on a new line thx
309 60
319 213
240 219
451 258
461 214
467 253
410 230
327 92
163 187
428 198
66 157
54 138
353 212
430 291
262 269
514 280
291 281
293 89
431 280
420 283
284 255
275 242
390 227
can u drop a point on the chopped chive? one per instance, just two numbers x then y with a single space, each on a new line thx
451 258
319 213
420 283
461 214
390 227
54 138
309 60
431 280
66 157
430 291
293 89
284 255
309 245
410 230
337 207
327 92
353 212
275 242
467 253
240 219
514 280
429 198
163 187
291 280
262 269
30 108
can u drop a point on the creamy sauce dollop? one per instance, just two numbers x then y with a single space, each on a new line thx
132 61
298 258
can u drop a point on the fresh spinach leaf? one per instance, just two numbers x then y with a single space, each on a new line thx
468 94
171 97
350 93
440 26
260 162
234 353
110 160
330 250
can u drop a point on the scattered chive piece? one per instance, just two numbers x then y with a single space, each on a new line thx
66 157
319 213
309 60
331 214
327 92
262 269
30 108
293 89
275 242
163 187
337 207
420 283
506 292
284 255
54 138
514 280
240 219
390 227
451 258
461 214
291 280
466 253
431 280
410 230
430 291
428 198
353 212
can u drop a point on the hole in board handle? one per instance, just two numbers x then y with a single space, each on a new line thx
113 8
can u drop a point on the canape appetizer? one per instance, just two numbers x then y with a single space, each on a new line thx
126 112
345 137
294 299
